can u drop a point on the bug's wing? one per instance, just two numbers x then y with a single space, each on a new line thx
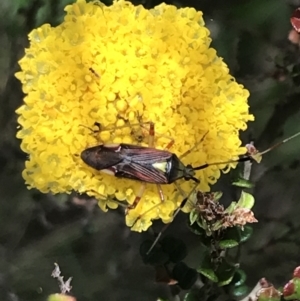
100 157
146 155
145 173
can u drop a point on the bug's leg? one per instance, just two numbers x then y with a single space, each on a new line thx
96 124
149 127
151 143
162 199
109 132
143 184
137 198
170 144
138 131
185 198
124 126
160 192
94 72
194 147
182 204
138 134
151 134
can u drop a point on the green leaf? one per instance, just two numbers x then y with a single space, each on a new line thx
226 281
175 248
193 216
197 230
217 225
239 278
246 233
185 276
225 273
217 195
203 224
240 291
207 269
231 207
297 287
205 240
232 235
60 297
190 297
243 183
228 244
246 200
208 273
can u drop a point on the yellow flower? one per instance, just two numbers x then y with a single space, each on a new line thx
118 66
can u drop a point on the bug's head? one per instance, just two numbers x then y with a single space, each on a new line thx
86 155
189 173
90 156
102 157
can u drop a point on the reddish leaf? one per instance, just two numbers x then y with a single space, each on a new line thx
295 20
289 289
297 272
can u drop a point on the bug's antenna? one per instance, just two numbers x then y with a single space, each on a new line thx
194 147
242 159
279 143
250 156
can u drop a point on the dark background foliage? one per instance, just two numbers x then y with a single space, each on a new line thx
96 248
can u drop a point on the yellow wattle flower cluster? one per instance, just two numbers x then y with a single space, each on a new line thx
118 66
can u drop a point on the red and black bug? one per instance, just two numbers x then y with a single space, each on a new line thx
151 165
295 20
145 164
140 163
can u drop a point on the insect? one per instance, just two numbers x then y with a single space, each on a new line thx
145 164
151 165
140 163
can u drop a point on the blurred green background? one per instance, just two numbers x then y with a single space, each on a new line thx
96 248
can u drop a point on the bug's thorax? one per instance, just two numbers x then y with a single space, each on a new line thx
180 171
